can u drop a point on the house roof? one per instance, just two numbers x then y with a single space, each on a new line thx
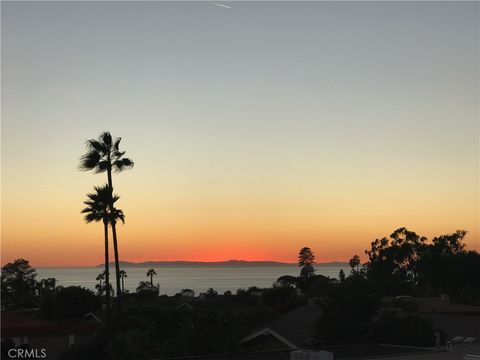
296 329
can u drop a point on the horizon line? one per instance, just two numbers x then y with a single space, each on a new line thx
187 261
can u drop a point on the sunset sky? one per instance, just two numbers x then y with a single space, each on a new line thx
255 130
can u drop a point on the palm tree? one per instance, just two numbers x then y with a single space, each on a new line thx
151 273
123 275
115 215
100 277
104 155
97 210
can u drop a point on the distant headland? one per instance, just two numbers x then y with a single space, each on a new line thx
226 263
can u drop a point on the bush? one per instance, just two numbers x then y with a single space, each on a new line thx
147 293
348 310
69 302
411 330
282 298
469 295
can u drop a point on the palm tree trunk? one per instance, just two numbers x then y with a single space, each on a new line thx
117 262
114 236
123 286
107 272
151 281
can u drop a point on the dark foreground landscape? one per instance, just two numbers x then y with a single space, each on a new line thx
411 297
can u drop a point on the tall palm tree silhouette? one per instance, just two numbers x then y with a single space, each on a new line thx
97 210
151 273
100 278
123 275
104 155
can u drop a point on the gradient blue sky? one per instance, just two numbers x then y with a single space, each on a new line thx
256 130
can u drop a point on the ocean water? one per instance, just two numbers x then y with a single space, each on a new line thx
197 278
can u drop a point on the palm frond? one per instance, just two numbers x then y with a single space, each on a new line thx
103 191
92 198
117 214
97 204
118 154
122 164
86 210
89 161
117 143
92 217
101 276
106 138
102 166
118 165
97 146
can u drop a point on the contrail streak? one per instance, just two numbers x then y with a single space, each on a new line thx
224 6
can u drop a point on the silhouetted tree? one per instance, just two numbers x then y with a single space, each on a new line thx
98 209
282 298
451 243
73 301
145 290
392 263
354 263
306 259
187 293
348 309
100 288
143 285
407 263
287 280
210 292
151 273
446 267
341 275
104 155
123 275
18 282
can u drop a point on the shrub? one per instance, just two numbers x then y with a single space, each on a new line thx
69 302
411 330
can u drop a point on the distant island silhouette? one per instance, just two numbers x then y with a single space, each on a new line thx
225 263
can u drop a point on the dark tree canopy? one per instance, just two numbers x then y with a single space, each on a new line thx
408 263
103 154
98 206
354 263
187 293
306 259
18 282
287 280
70 302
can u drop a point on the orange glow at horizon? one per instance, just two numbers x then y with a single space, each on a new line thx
214 228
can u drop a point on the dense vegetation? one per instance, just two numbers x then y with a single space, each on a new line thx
407 263
152 325
403 264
